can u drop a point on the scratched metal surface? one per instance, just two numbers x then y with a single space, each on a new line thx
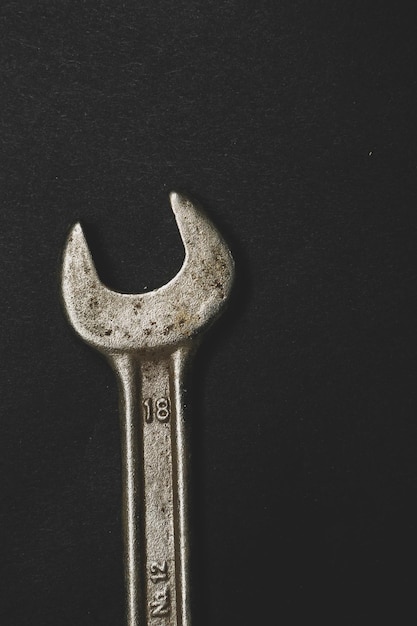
149 339
163 318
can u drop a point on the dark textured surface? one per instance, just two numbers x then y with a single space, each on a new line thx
294 124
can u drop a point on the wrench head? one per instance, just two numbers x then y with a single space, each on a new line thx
166 318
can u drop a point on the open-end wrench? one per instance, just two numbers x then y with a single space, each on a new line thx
149 339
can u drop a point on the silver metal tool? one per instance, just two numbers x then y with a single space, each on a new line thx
149 339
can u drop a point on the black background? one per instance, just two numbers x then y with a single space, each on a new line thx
293 123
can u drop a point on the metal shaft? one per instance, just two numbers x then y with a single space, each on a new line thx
154 454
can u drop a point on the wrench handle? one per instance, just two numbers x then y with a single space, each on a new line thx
155 479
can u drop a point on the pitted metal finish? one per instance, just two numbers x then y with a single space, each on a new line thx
149 340
169 316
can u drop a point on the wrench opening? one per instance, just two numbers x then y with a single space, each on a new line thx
170 315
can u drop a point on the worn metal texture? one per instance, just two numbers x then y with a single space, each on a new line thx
149 340
165 317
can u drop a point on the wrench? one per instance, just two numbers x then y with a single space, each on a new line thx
149 340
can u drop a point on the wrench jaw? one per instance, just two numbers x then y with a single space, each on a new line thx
166 318
79 281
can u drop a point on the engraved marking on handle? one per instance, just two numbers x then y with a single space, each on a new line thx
159 491
161 603
158 571
159 408
155 489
